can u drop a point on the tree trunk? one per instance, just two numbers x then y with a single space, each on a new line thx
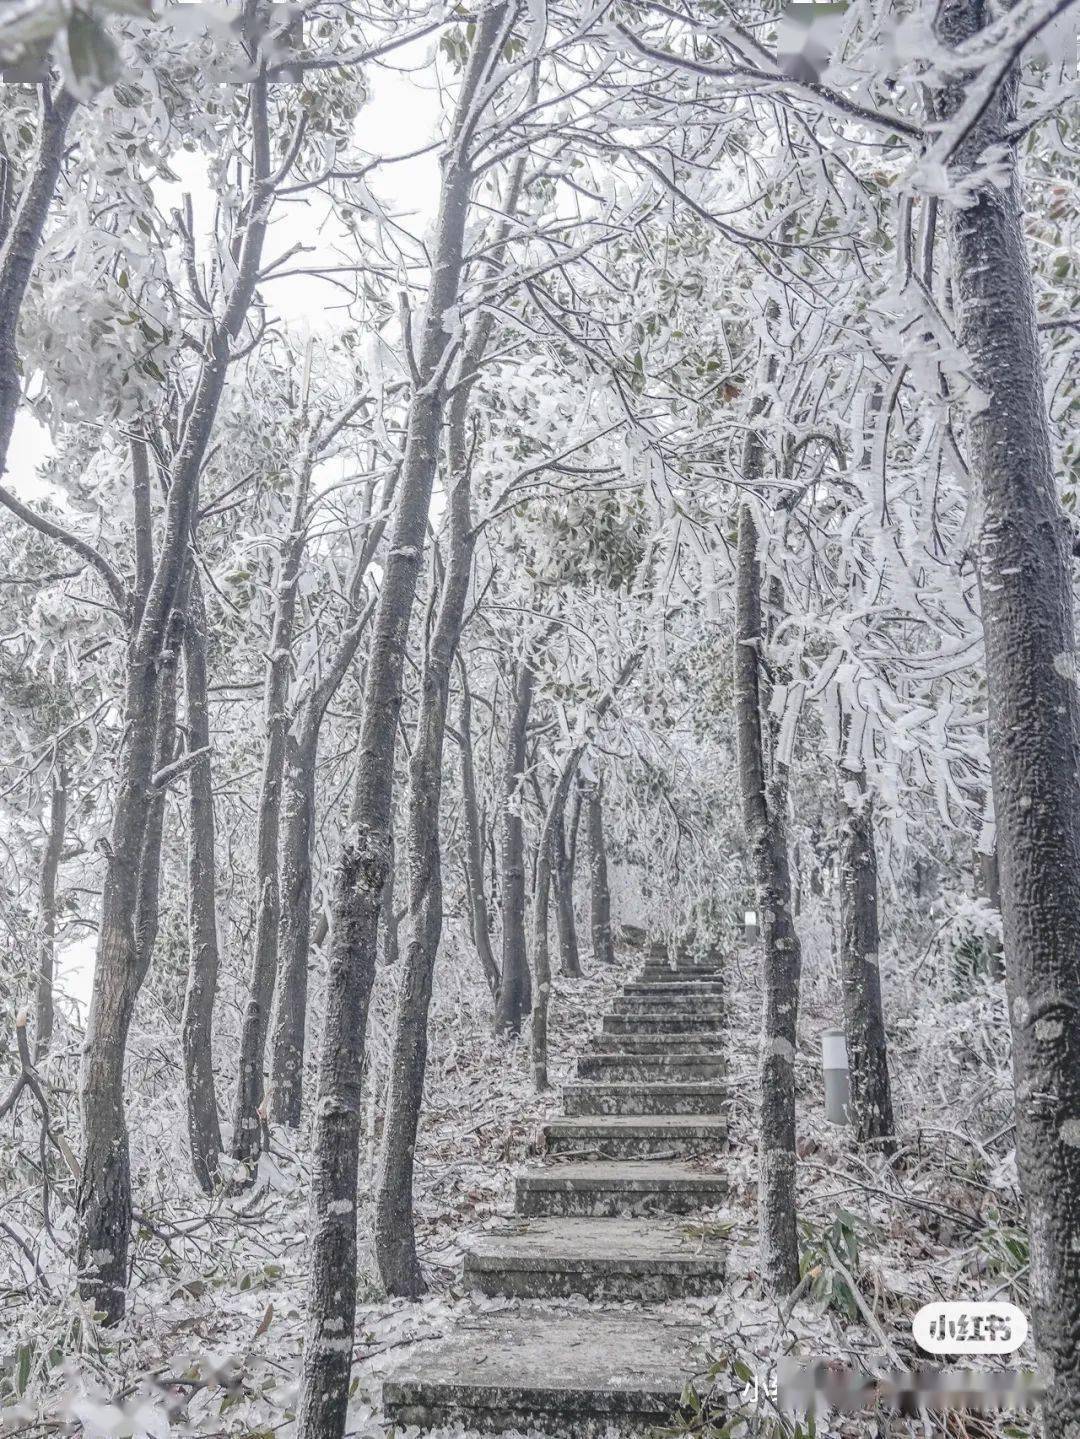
542 961
292 986
50 864
870 1106
545 856
474 854
1025 579
562 873
19 252
302 751
103 1199
395 1233
388 920
147 913
104 1193
988 886
276 709
362 868
196 1029
763 810
599 892
514 994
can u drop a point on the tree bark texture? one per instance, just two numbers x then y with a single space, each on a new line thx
50 865
301 755
515 990
125 945
763 813
103 1198
562 874
870 1106
541 957
250 1084
474 850
603 947
1026 590
196 1028
362 868
395 1234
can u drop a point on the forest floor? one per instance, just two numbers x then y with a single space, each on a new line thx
218 1289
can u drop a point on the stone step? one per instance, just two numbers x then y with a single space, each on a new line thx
648 1042
605 1188
673 1065
639 1097
677 973
660 1007
704 1021
566 1374
681 989
649 1260
636 1136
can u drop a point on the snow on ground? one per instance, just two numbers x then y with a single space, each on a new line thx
218 1288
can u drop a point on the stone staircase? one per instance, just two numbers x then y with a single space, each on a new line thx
598 1221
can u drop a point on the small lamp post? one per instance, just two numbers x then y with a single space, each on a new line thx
750 926
834 1064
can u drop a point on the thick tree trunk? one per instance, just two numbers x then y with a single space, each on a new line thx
474 853
50 865
763 810
196 1028
988 887
362 868
603 947
388 919
276 710
562 873
515 990
870 1107
1027 601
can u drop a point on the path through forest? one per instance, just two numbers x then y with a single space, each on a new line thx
604 1218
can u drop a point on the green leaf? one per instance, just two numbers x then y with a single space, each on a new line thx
95 61
22 1374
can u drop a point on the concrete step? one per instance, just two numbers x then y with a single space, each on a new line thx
638 1097
606 1188
650 1260
660 1006
651 1067
566 1374
663 1021
677 973
648 1042
662 992
636 1136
